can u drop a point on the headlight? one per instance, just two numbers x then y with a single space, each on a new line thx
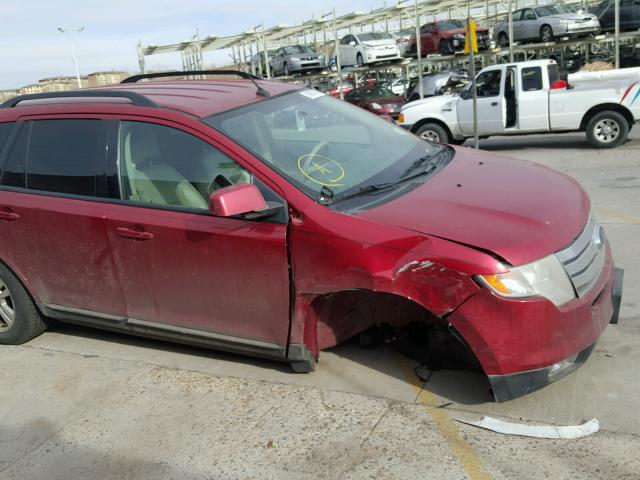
564 21
376 106
459 36
545 278
294 59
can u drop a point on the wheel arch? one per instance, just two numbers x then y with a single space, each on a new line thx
603 107
437 121
31 291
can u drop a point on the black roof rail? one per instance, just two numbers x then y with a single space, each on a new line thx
136 98
142 76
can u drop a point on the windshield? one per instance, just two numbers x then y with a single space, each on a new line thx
373 92
552 10
451 25
298 49
322 144
374 36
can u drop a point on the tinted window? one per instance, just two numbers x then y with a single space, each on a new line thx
531 79
529 15
451 25
5 130
554 73
168 167
14 165
66 156
488 83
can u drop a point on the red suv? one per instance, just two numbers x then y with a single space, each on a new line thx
446 37
275 221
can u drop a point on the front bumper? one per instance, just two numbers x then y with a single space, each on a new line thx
577 29
523 345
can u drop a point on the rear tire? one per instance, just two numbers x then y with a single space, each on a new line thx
503 40
433 132
546 34
20 320
607 129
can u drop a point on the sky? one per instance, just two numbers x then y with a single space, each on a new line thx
31 47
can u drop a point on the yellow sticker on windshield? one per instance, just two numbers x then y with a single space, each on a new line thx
321 170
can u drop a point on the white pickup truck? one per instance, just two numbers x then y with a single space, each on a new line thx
529 97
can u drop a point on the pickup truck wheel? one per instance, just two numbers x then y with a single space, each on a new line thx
546 34
503 40
20 320
607 129
433 132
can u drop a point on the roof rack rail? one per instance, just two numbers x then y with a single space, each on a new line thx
136 98
142 76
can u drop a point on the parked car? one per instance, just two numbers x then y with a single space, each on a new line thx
379 100
399 86
446 37
362 48
272 220
544 24
629 14
402 38
334 87
439 83
257 63
530 97
297 59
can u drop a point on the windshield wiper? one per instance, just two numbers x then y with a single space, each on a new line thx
364 190
421 161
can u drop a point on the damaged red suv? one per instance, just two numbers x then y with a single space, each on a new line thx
272 220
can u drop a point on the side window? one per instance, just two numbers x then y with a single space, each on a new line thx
426 28
345 40
488 83
517 16
66 156
5 130
528 14
164 166
531 79
14 168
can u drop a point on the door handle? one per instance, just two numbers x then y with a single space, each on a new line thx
132 232
494 104
8 216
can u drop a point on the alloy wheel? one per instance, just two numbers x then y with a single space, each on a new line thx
7 311
430 135
606 130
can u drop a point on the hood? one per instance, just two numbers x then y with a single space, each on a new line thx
431 103
518 210
385 42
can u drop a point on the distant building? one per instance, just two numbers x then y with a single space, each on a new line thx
7 94
98 79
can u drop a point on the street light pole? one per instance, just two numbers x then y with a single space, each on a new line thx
70 31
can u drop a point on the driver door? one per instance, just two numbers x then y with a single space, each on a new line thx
181 267
490 103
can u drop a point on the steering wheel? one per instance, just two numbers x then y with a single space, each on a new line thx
315 151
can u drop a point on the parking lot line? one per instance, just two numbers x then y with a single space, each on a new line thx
620 216
464 453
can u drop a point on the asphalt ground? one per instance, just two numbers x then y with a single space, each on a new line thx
77 403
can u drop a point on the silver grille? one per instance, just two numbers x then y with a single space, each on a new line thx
584 258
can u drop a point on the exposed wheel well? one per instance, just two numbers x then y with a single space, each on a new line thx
616 107
415 331
415 128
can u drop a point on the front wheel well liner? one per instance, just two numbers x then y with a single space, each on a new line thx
420 123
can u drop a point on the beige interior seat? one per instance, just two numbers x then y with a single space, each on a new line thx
151 179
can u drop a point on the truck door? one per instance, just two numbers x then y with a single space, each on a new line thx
489 87
533 103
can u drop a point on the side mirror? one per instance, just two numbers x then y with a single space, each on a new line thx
465 94
236 200
352 43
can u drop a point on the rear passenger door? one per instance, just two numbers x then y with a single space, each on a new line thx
53 185
182 268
